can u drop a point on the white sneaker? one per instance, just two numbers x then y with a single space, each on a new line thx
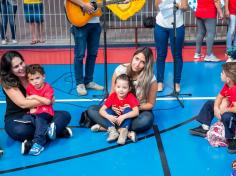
230 60
198 56
14 41
132 136
95 128
211 58
81 90
112 134
95 86
4 42
123 136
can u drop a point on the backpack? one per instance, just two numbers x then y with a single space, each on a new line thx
85 121
216 135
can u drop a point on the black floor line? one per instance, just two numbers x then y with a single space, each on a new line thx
160 147
91 152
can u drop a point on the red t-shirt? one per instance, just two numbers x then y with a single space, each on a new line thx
232 7
113 100
47 92
206 9
230 93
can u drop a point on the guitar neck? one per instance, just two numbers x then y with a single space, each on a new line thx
100 4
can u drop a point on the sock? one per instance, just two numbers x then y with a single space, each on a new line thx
205 127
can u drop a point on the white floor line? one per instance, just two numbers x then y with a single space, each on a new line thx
158 99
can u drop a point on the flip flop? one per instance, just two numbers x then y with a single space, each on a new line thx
33 42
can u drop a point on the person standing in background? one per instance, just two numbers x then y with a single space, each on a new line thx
206 15
230 13
86 37
33 10
163 32
8 10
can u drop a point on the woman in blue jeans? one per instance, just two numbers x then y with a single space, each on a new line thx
163 33
14 82
8 10
140 70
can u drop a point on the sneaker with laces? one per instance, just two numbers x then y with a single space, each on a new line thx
123 136
81 90
211 58
132 136
112 134
198 131
231 145
36 149
52 131
4 42
26 146
14 41
96 128
197 56
93 85
66 133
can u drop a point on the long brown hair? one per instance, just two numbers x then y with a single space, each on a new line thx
145 76
7 78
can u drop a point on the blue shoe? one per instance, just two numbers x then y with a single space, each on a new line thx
52 131
36 149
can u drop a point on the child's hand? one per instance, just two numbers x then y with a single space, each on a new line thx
112 119
117 110
217 113
120 119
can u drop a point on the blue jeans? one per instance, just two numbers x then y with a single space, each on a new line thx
162 35
206 116
139 124
20 131
41 123
8 11
231 34
125 124
88 37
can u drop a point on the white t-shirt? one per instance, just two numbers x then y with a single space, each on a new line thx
165 17
122 69
94 20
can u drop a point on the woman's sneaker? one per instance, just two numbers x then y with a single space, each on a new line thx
96 128
36 149
26 146
52 131
66 133
132 136
198 56
1 151
211 58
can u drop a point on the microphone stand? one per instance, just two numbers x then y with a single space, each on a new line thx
175 93
105 95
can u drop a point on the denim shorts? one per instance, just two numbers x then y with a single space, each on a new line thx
33 13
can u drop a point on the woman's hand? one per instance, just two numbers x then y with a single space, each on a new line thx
87 7
227 13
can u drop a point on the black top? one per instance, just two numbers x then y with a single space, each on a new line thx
12 110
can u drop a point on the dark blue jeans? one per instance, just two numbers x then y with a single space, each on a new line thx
125 124
139 124
206 116
86 37
41 123
20 131
162 36
8 12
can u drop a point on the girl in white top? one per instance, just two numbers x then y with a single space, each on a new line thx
163 32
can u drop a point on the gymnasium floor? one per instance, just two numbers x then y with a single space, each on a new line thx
167 149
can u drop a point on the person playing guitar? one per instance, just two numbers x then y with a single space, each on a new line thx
86 36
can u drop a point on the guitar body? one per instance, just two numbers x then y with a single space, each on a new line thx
77 16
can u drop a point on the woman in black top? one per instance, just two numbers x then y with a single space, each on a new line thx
13 81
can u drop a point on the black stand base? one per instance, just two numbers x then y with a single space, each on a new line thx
176 95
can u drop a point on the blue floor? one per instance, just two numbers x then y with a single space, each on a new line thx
175 152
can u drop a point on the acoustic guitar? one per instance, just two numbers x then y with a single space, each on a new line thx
78 17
